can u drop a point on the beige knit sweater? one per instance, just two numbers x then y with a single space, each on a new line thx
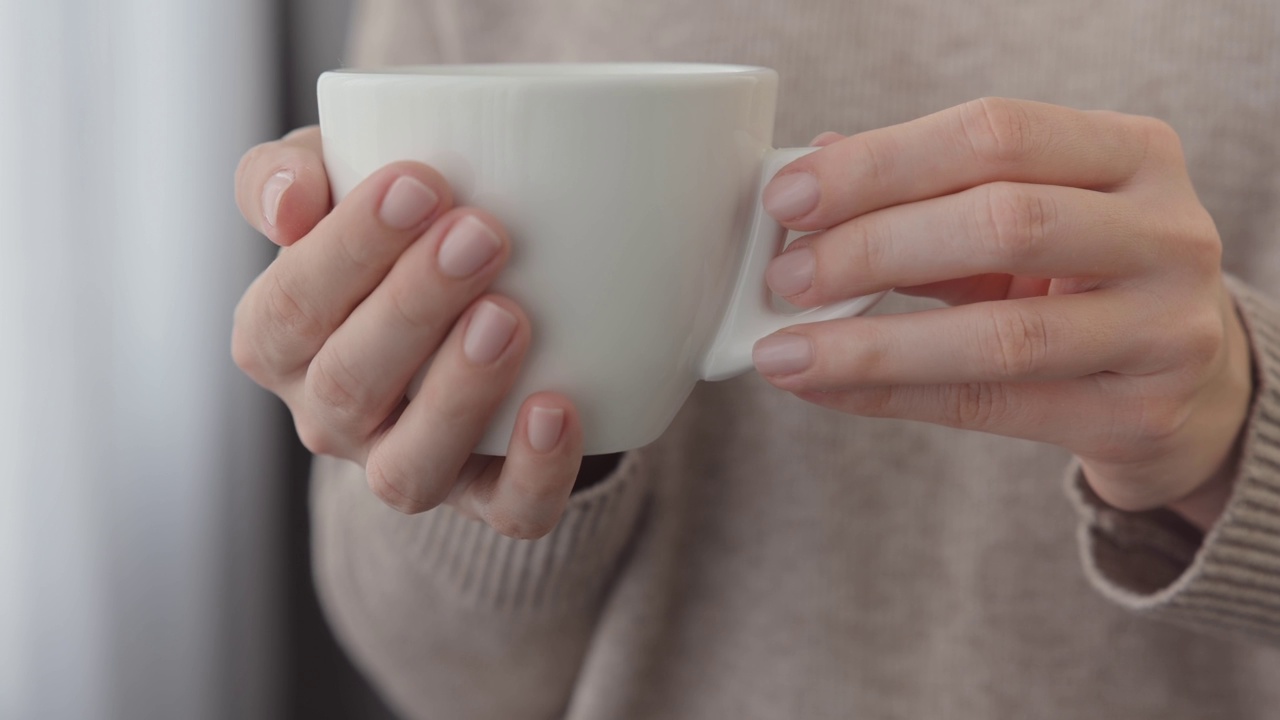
770 559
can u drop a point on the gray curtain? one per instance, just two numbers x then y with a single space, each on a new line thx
152 511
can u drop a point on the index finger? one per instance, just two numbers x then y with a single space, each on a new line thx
965 146
282 188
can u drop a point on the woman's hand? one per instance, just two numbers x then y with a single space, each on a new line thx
1088 305
353 306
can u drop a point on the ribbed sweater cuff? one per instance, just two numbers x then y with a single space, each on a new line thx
567 568
376 551
1156 564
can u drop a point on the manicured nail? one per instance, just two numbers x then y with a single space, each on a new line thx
488 333
782 354
791 196
407 203
272 193
791 273
468 246
544 428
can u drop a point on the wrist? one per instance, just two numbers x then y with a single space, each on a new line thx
1204 505
1191 471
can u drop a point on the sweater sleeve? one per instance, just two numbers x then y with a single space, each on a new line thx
1227 581
449 619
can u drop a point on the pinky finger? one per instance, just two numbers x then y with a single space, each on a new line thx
1123 438
525 495
1085 415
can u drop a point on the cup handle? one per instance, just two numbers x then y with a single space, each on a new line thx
750 314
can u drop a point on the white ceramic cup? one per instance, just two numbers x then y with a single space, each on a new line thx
632 196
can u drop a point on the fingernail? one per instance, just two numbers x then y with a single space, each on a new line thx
782 354
791 273
468 246
407 203
488 333
791 196
544 428
272 193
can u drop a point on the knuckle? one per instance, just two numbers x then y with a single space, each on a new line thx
997 129
286 315
400 489
361 253
338 395
315 437
408 308
1016 343
1160 137
1203 339
1206 252
1160 421
1145 348
1156 147
866 253
975 405
245 354
878 159
1015 223
1201 242
869 360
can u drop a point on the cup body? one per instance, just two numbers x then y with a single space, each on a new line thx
626 188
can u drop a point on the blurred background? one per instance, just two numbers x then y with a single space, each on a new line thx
153 539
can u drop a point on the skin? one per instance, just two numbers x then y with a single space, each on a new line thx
338 325
1087 310
1085 300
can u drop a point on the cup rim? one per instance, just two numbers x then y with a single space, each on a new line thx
614 72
